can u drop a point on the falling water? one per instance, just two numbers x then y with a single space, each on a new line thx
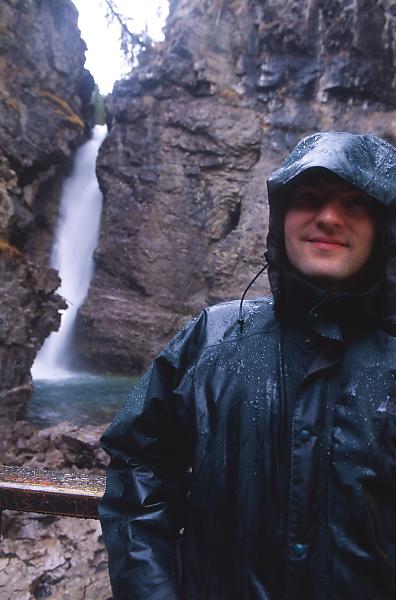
72 255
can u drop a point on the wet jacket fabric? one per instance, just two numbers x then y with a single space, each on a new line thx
259 462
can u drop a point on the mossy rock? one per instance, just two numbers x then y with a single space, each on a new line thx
63 109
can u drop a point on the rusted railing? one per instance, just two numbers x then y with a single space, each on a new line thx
50 492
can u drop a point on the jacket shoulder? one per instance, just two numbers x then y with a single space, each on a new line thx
218 324
222 320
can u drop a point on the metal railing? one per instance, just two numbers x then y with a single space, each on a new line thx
50 492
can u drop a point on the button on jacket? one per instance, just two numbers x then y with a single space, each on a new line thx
257 461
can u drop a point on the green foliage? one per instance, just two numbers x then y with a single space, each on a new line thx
23 5
99 108
7 39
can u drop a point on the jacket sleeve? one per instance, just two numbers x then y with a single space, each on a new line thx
143 508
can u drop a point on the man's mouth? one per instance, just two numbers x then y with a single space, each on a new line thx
324 243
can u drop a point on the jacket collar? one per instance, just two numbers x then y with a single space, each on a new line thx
329 314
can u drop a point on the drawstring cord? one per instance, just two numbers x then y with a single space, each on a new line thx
241 320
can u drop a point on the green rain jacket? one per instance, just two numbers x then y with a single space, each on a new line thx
256 458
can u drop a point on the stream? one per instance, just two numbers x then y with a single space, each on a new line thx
81 399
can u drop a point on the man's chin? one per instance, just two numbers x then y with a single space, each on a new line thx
337 280
325 274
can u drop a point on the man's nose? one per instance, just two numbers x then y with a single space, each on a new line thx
330 214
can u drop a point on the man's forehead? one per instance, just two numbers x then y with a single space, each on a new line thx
327 183
329 186
320 178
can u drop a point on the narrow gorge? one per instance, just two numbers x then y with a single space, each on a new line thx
195 131
193 134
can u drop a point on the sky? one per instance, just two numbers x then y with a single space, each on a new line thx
104 58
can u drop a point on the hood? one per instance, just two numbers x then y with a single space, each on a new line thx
365 161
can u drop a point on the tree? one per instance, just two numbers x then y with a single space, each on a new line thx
132 42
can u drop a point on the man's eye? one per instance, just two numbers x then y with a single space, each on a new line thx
303 199
358 203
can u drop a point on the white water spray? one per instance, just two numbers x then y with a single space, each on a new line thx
72 254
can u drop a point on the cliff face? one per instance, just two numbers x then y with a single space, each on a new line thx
194 134
44 111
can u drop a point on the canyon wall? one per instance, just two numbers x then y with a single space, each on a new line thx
45 113
196 130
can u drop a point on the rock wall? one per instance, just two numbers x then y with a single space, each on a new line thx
194 134
44 115
43 556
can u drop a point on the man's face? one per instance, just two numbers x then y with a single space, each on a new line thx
329 230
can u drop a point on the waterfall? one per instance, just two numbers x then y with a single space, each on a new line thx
76 238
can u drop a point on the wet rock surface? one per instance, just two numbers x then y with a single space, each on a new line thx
28 313
43 556
194 134
49 557
44 115
57 447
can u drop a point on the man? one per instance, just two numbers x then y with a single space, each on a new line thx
256 459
